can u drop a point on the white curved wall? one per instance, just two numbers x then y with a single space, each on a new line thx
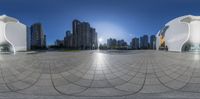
195 31
157 40
181 30
14 33
2 31
176 35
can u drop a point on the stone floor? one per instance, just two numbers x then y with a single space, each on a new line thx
99 75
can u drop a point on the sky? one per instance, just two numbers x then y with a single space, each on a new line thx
120 19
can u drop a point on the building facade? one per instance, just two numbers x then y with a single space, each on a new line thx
93 39
121 44
83 35
38 38
180 34
153 42
59 43
135 43
68 40
144 42
116 44
13 35
111 43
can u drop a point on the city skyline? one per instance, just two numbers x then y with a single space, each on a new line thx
99 49
118 19
83 36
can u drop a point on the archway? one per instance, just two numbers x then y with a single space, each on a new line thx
6 47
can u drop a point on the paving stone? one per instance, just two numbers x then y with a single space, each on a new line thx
99 75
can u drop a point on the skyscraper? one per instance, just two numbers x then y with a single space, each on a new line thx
76 29
85 42
135 43
141 42
153 42
144 42
93 38
68 40
84 36
38 38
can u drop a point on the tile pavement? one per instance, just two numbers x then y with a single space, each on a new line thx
100 74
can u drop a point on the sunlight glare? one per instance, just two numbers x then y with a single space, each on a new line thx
108 29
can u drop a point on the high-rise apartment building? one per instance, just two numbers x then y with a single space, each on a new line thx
135 43
84 36
153 42
144 42
38 38
68 40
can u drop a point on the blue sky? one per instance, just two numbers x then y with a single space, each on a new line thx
121 19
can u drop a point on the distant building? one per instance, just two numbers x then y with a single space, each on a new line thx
59 43
93 38
45 42
141 42
135 43
76 29
111 43
121 44
84 42
38 38
153 42
28 36
144 42
103 46
84 36
68 40
116 44
23 38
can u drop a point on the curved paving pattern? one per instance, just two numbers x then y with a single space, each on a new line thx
117 74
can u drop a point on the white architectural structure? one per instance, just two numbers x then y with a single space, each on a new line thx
180 34
13 35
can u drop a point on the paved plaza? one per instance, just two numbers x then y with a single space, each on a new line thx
99 75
